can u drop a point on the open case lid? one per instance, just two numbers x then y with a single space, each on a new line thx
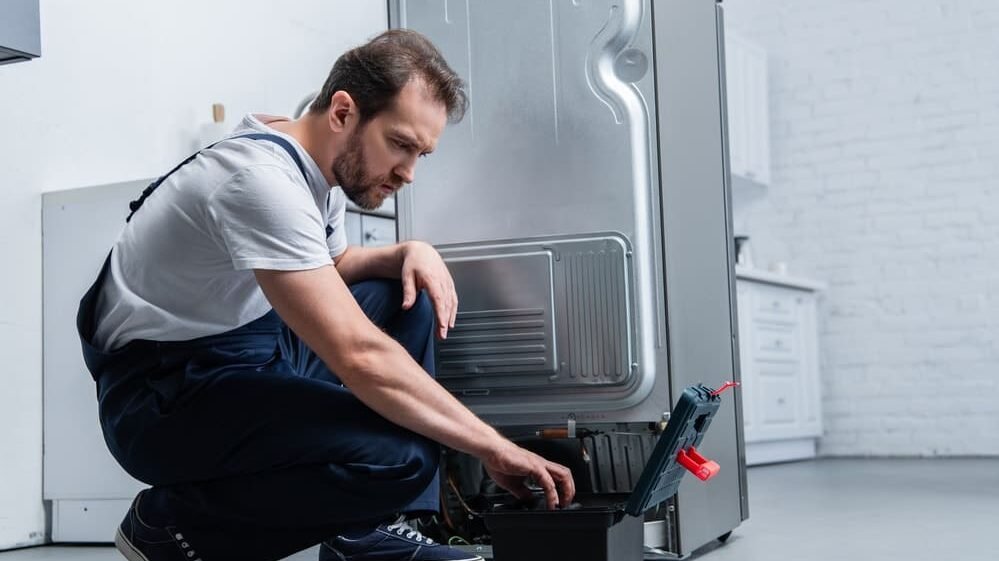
675 453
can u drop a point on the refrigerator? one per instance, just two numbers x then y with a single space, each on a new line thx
583 208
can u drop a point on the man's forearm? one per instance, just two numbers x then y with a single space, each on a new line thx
386 379
361 263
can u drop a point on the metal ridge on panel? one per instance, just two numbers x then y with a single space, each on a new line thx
595 291
610 42
612 68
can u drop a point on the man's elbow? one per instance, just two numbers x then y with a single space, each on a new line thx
362 359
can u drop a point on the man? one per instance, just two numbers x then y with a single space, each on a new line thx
231 299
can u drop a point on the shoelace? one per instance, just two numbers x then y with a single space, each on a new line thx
401 527
186 547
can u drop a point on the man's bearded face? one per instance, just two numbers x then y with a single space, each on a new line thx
350 171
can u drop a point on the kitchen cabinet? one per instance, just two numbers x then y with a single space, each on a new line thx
748 112
20 37
778 352
371 228
89 492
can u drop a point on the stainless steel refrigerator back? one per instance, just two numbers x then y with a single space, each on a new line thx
582 207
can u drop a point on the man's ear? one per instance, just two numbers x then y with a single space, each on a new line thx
342 110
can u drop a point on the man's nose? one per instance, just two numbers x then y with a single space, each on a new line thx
406 170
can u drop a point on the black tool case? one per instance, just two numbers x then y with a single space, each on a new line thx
610 527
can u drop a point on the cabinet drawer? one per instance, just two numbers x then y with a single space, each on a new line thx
377 231
388 206
775 342
352 223
777 401
776 304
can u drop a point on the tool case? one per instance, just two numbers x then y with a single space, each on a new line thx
610 527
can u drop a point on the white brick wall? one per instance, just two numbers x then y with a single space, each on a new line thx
885 155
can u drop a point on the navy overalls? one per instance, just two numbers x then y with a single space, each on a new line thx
252 446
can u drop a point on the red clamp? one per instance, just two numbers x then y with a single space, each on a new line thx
703 468
724 387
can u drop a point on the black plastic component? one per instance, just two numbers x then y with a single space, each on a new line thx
687 425
605 527
583 534
616 460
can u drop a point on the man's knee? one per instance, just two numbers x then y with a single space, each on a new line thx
381 298
422 311
429 455
408 479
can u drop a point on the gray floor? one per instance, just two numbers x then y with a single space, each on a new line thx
870 509
823 510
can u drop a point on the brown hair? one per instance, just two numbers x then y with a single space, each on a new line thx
374 73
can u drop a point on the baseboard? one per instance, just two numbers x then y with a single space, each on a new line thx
779 451
87 521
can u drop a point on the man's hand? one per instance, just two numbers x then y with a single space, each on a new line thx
510 466
423 269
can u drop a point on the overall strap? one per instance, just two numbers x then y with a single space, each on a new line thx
280 141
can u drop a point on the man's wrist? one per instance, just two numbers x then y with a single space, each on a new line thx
408 248
403 251
490 448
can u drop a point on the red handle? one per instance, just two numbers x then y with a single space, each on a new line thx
724 387
702 468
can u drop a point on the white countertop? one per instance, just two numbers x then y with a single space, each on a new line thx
769 277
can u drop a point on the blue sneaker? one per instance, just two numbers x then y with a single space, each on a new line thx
138 541
391 542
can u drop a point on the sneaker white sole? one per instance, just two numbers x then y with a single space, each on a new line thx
126 548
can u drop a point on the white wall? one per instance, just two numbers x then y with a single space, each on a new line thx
885 136
119 94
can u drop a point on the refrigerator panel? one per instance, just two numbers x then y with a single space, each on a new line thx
564 121
532 310
698 268
501 340
559 143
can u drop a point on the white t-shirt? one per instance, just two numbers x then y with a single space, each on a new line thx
183 267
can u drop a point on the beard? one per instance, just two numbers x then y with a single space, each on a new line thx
349 171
